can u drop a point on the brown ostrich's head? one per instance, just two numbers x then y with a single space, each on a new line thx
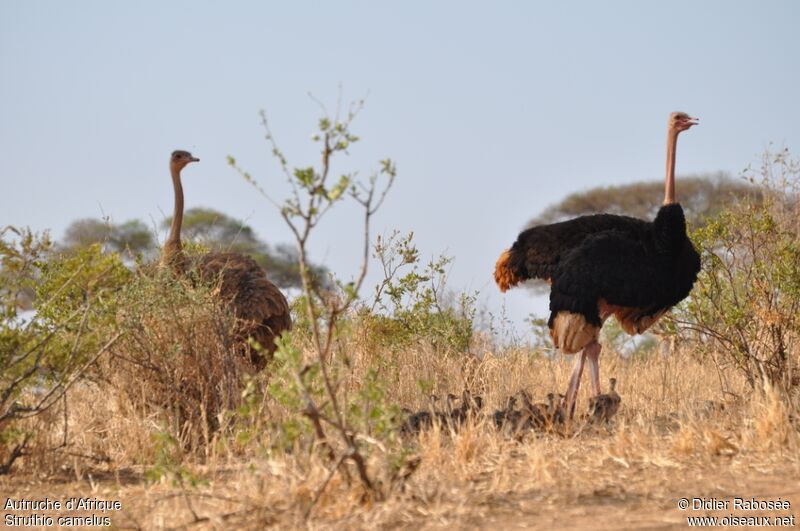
180 158
680 121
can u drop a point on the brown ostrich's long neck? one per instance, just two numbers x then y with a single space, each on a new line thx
173 250
669 184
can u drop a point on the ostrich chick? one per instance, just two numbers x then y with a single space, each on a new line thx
603 407
538 414
557 410
508 415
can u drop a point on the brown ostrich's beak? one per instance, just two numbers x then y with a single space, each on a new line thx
684 124
194 159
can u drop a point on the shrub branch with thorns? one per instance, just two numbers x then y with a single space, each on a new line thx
313 194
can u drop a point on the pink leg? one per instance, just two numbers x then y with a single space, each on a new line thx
592 351
575 381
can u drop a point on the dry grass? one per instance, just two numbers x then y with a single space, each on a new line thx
667 442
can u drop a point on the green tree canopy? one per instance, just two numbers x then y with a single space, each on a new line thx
702 197
209 227
132 236
220 232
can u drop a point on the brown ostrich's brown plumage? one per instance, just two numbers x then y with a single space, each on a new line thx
261 310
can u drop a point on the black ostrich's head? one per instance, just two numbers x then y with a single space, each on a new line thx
180 158
680 121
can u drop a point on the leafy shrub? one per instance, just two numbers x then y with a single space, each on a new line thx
177 357
412 304
86 283
44 353
310 381
746 302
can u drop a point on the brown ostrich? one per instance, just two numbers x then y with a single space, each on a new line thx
261 310
602 265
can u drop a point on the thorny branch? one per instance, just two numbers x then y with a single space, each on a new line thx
312 196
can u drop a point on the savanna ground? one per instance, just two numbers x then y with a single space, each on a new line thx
665 444
127 385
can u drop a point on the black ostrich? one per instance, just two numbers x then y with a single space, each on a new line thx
605 264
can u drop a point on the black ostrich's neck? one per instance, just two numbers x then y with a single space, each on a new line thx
669 229
669 182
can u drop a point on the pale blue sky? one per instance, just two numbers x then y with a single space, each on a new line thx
492 110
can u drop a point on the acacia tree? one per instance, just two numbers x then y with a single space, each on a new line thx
702 196
221 232
132 236
211 228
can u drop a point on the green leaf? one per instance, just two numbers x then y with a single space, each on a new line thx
305 176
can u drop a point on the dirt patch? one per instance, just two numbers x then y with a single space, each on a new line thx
615 496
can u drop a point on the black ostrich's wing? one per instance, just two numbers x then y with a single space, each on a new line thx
539 250
616 266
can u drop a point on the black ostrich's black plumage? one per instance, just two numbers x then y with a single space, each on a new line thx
538 250
625 261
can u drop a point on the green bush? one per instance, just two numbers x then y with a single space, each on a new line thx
745 306
44 353
412 304
83 284
178 358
